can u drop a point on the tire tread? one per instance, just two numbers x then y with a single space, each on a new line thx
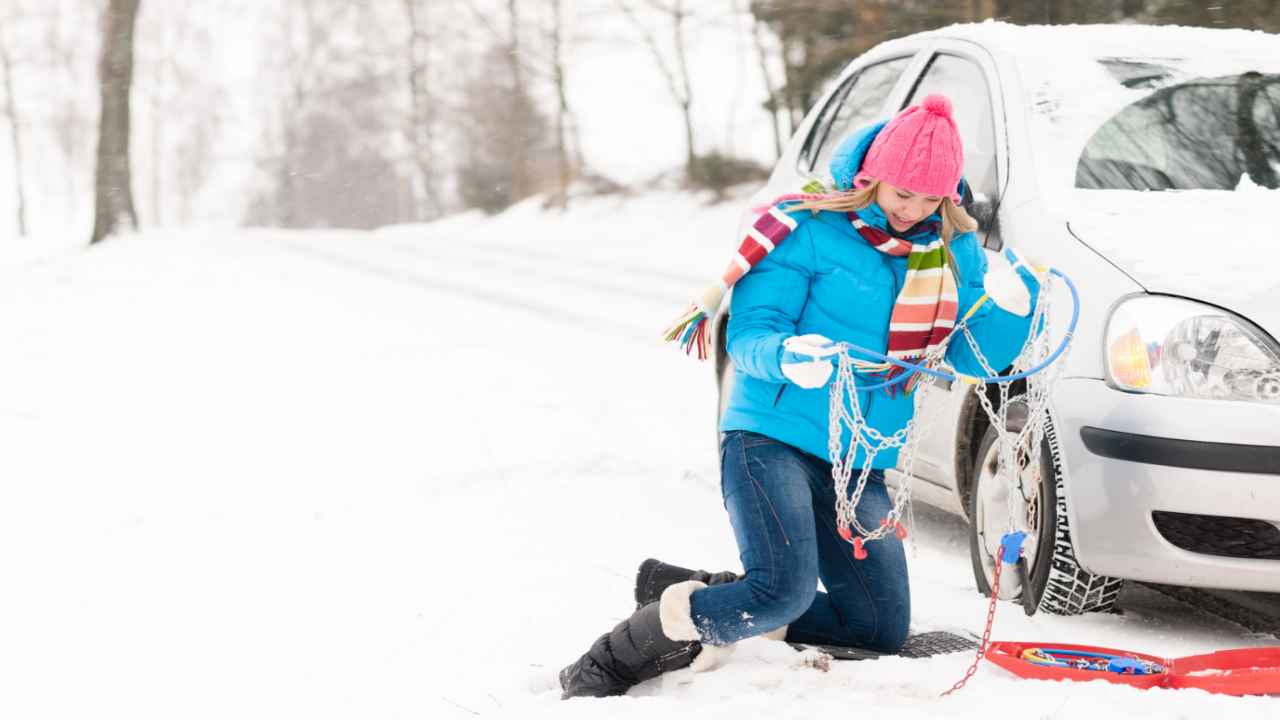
1070 589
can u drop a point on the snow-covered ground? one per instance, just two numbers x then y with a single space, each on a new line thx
409 473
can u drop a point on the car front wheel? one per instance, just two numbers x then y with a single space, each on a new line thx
1047 578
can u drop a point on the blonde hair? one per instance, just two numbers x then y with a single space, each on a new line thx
954 217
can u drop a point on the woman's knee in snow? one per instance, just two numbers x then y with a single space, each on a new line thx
893 628
781 595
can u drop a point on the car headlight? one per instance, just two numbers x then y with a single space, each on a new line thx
1171 346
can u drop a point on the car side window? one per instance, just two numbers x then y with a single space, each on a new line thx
964 83
858 102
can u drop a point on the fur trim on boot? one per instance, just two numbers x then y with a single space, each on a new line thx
677 624
673 608
654 576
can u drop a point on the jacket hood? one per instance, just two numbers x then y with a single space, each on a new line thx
849 154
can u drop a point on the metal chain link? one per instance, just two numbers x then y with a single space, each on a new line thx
846 415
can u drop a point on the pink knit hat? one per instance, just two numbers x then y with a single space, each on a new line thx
919 150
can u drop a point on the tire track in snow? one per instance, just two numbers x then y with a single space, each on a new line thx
491 261
421 281
609 269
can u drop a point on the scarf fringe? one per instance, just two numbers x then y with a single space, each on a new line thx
910 385
690 331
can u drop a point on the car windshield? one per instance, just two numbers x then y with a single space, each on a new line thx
1202 134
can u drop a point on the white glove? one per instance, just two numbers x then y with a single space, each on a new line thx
805 360
1009 282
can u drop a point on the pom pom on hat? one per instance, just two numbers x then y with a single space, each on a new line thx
937 104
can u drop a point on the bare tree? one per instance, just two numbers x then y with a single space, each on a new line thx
161 69
308 49
520 177
14 120
169 33
293 102
113 193
771 104
536 64
336 153
72 117
172 38
556 36
675 73
423 103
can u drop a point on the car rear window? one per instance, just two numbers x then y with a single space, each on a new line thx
1211 134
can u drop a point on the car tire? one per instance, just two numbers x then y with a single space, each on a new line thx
1048 578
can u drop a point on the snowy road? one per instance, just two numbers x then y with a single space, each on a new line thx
409 474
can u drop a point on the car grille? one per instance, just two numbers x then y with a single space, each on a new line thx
1220 535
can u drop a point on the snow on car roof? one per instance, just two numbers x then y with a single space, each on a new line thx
1062 42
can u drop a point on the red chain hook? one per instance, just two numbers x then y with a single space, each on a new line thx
859 552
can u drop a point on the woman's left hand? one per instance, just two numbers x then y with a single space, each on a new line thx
1009 282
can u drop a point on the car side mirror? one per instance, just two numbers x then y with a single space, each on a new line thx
983 210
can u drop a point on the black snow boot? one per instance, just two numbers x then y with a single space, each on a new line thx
655 576
634 651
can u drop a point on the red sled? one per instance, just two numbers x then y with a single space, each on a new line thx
1246 671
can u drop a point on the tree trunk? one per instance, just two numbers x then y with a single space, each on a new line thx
562 105
678 86
286 210
1131 8
686 102
113 188
519 146
762 56
794 48
422 116
15 136
982 9
157 129
293 105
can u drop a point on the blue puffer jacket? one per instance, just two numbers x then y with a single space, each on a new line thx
825 279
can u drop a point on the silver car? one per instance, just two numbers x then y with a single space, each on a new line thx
1143 162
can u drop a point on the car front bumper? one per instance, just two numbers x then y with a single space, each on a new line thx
1170 490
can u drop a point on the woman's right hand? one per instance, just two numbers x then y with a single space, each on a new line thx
806 360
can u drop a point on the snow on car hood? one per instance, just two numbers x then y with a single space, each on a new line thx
1210 245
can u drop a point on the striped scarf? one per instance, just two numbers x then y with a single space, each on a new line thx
923 314
925 310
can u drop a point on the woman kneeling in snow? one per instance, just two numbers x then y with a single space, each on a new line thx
888 263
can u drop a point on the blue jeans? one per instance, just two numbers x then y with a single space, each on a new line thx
781 502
